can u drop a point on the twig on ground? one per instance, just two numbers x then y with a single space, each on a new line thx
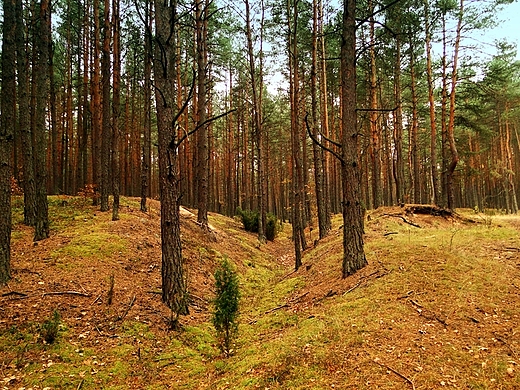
408 294
501 339
97 299
276 308
415 303
396 373
132 301
289 274
352 288
80 384
403 218
66 293
297 299
389 233
20 294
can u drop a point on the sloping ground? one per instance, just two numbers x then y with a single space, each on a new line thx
438 306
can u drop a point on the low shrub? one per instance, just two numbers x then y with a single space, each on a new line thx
250 221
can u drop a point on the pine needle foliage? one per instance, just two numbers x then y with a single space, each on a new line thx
226 306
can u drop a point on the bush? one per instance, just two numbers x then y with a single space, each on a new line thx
49 329
272 228
249 219
250 222
226 306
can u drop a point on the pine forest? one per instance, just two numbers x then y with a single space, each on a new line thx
300 121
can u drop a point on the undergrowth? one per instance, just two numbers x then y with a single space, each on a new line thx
439 307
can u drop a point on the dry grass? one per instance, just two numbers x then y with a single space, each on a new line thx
438 306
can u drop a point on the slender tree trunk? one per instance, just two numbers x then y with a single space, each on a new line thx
375 130
256 89
435 195
451 125
96 105
202 178
353 229
24 126
398 129
41 225
54 126
7 119
414 146
297 174
319 172
444 131
324 120
106 112
116 110
87 114
147 127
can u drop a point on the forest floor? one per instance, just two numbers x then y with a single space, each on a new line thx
437 307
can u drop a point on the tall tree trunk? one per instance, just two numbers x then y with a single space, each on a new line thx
54 126
451 124
353 229
24 126
435 194
96 105
202 178
414 137
147 126
398 129
297 174
375 131
324 115
174 293
256 78
116 110
106 112
7 118
444 130
43 39
324 224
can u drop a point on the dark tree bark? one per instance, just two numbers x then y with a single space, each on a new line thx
256 79
202 177
375 128
398 129
7 119
353 214
174 293
106 112
116 111
43 40
96 105
147 127
24 125
435 194
299 239
414 131
451 124
324 224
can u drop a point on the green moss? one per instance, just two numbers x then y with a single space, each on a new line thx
94 245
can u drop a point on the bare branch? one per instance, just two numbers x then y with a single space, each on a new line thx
317 142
